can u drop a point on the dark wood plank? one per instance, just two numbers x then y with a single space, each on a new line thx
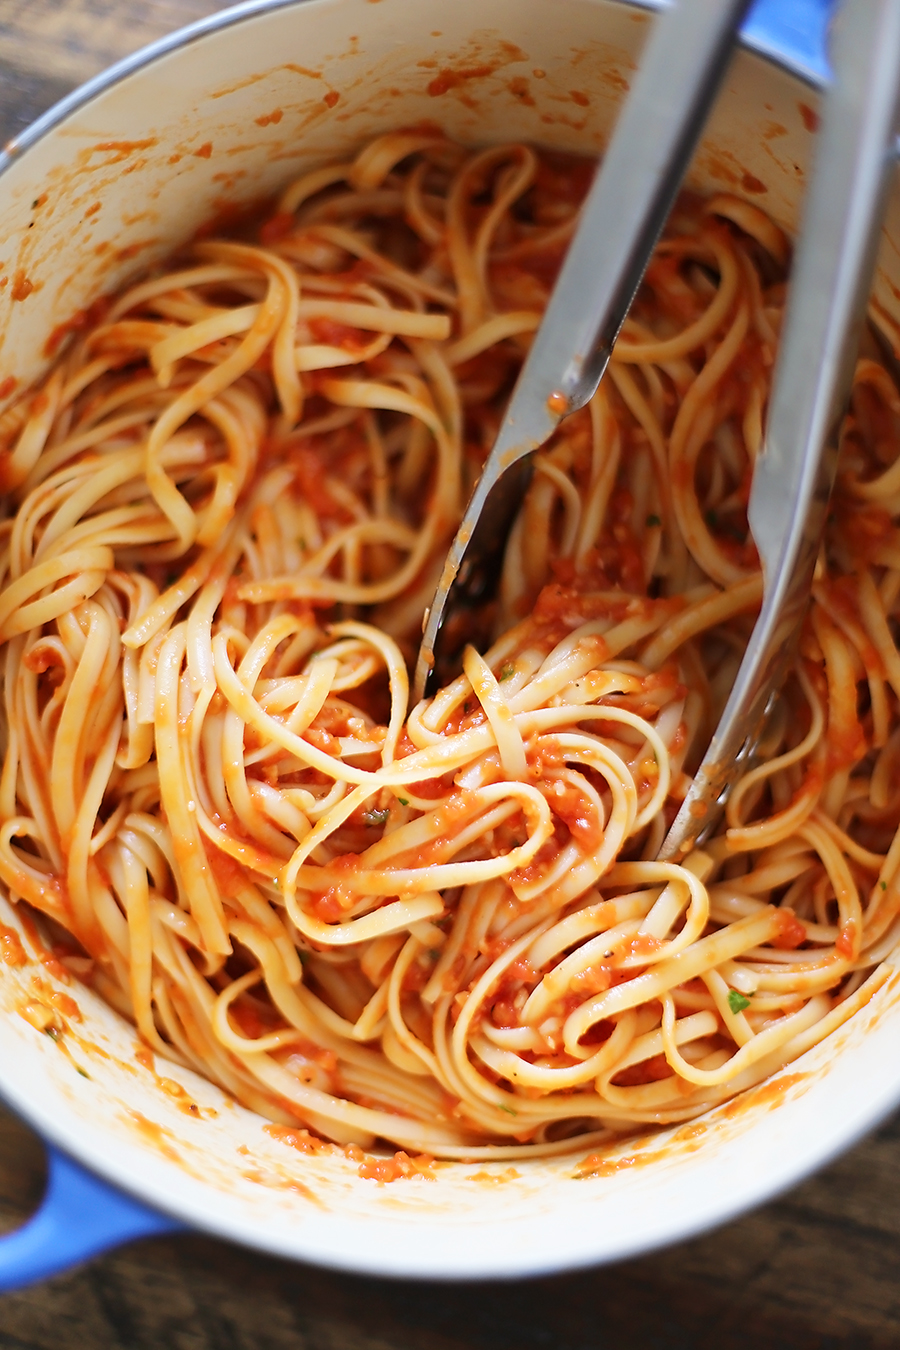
70 40
47 47
23 94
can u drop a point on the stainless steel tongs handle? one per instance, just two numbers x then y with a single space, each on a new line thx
793 477
680 71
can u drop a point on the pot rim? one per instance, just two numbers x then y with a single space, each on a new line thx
757 40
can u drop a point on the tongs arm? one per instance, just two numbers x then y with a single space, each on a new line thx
795 472
680 71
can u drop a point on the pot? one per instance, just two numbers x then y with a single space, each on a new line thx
112 179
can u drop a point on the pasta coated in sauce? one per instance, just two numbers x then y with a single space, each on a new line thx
441 926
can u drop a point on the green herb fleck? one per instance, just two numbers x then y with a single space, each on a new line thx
883 885
434 953
712 519
508 1109
507 671
403 801
52 1033
373 818
84 1073
737 1002
653 520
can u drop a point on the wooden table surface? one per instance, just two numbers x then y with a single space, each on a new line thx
817 1270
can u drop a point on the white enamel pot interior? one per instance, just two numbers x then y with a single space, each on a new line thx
90 201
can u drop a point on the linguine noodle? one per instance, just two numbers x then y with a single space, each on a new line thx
443 926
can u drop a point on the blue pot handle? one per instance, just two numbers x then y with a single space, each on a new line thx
792 32
78 1217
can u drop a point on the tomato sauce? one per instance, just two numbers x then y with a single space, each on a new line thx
791 934
12 953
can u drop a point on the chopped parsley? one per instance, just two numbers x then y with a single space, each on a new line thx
508 1109
653 520
373 818
403 801
507 671
737 1002
883 885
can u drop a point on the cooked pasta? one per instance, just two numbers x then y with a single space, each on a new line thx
442 927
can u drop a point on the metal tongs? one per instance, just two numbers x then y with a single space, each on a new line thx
682 67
